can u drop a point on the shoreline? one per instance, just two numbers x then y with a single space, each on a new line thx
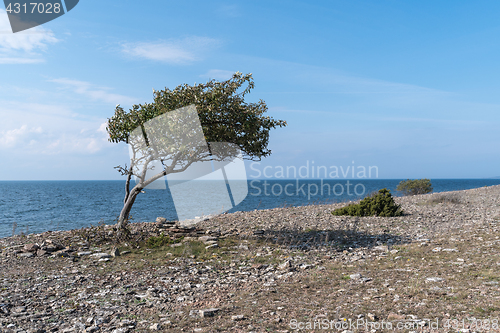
195 221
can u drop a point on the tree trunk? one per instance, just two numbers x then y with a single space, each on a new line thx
127 206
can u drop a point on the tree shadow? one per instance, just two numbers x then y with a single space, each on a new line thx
333 239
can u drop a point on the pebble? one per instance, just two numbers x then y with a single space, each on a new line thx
285 265
237 317
434 279
155 327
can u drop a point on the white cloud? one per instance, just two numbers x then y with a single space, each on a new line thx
173 51
218 74
19 48
15 136
102 127
95 93
69 143
30 130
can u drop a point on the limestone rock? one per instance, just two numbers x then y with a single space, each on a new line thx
31 247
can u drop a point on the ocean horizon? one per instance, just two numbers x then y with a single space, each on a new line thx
29 206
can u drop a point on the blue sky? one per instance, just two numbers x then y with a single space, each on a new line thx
409 87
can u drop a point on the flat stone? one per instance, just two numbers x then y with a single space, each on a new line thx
101 255
161 220
208 312
19 309
237 317
203 313
449 250
434 279
121 330
84 253
285 265
115 252
382 248
26 255
128 322
155 327
207 238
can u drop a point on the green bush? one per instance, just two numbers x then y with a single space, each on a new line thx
159 241
416 186
379 204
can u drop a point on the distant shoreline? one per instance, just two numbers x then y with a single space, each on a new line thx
249 179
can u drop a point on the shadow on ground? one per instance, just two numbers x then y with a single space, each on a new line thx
338 239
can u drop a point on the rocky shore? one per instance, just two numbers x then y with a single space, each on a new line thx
273 270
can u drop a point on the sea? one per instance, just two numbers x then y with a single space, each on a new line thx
38 206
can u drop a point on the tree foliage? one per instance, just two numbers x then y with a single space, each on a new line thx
380 204
223 112
415 186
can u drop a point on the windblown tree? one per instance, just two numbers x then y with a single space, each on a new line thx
224 116
415 186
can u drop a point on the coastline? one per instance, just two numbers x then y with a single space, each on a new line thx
40 206
249 271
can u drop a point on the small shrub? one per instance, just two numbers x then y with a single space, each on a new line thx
379 204
415 186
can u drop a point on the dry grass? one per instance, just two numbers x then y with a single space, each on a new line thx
446 198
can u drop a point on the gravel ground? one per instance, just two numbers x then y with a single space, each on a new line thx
280 270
